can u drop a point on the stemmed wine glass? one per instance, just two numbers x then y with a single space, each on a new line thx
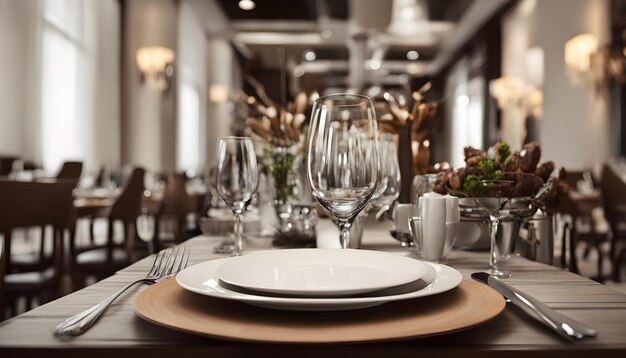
496 208
342 160
237 179
389 177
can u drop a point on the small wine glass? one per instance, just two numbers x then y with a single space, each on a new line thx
145 225
342 157
237 180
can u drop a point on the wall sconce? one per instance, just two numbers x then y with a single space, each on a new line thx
589 64
515 93
156 65
508 92
219 93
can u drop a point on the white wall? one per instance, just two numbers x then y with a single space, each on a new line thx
148 114
14 34
106 111
223 69
575 128
191 77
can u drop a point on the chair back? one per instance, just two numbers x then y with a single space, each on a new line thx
176 200
6 165
566 205
176 203
613 191
27 204
572 177
128 205
70 171
35 204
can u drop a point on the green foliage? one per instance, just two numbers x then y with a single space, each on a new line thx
489 169
471 184
504 151
281 165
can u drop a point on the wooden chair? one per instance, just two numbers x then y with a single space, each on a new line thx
69 172
103 261
175 205
613 191
33 204
592 237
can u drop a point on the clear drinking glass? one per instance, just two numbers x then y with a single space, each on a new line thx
237 179
145 225
389 184
422 184
342 157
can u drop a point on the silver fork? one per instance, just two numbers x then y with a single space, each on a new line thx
167 263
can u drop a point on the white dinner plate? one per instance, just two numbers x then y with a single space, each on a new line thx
202 278
319 272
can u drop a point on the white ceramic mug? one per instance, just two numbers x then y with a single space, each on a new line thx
434 230
453 218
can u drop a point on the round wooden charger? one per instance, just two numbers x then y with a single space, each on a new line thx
167 304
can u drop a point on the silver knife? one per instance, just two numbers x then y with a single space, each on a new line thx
563 325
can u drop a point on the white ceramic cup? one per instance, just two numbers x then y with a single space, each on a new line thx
453 215
433 227
453 218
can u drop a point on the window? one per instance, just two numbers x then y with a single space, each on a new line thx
188 129
465 109
62 59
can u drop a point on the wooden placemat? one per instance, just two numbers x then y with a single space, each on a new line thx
167 304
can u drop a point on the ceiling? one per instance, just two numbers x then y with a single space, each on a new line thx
370 40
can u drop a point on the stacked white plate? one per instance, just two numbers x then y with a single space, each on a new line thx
318 279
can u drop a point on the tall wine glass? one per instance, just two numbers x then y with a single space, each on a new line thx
389 186
342 160
237 179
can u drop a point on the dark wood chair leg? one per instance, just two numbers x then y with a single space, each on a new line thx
180 228
91 229
600 262
42 246
617 265
156 240
573 264
13 306
29 303
564 245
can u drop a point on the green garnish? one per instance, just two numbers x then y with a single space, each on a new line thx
281 166
504 151
471 184
489 169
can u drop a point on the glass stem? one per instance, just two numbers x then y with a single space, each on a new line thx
344 234
493 256
238 232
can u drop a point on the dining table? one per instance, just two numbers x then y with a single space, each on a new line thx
120 332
